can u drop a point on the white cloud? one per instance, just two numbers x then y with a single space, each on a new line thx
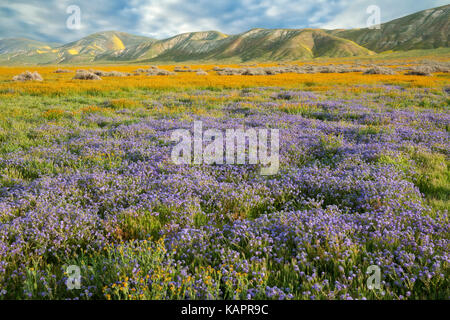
353 14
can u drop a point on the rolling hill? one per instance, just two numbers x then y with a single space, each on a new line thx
422 30
22 45
253 45
88 48
256 44
426 29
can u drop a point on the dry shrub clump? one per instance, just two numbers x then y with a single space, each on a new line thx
188 69
201 72
254 72
272 71
142 70
329 69
155 71
28 76
184 69
62 71
86 75
159 72
118 74
228 71
246 71
109 73
306 69
420 71
285 69
97 72
351 69
332 69
437 66
139 70
380 70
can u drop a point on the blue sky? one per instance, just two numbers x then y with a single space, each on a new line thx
46 19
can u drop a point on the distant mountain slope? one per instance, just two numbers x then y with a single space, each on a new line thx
190 43
288 44
14 45
88 48
83 50
422 30
426 29
256 44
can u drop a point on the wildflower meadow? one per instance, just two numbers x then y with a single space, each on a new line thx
92 205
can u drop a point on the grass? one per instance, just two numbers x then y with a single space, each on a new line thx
137 262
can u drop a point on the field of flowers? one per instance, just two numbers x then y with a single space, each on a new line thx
86 179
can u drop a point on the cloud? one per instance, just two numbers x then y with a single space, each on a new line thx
161 19
354 14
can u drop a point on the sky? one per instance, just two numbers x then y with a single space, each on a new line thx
47 20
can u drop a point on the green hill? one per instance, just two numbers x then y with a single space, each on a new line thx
253 45
428 29
21 45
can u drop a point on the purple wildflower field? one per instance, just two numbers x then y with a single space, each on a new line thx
363 181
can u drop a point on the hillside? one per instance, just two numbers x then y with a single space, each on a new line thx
109 42
256 44
83 50
253 45
192 44
426 29
15 45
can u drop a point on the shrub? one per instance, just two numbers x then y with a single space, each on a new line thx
230 72
328 69
379 70
62 71
436 66
28 76
116 74
85 75
254 72
201 72
420 71
159 72
272 71
184 69
97 72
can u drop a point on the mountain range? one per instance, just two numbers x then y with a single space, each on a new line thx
426 29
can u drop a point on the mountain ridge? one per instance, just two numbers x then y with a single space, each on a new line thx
421 30
426 29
